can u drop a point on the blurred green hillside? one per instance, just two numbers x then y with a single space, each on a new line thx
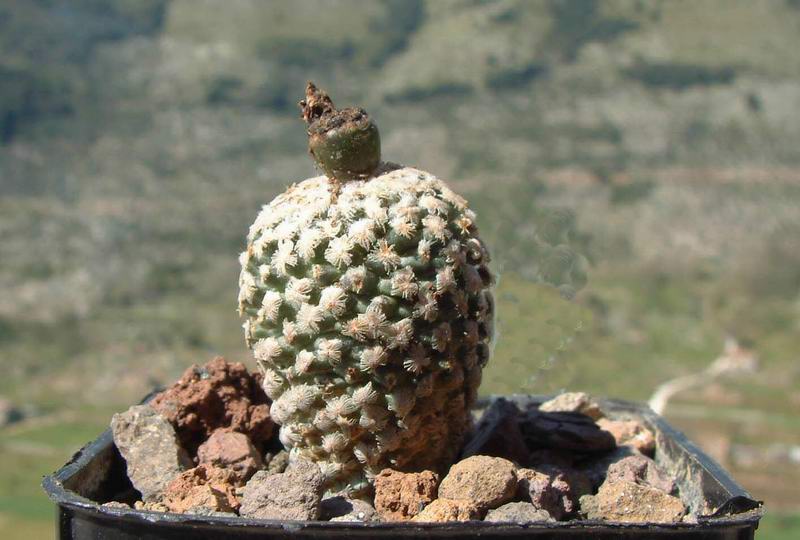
139 138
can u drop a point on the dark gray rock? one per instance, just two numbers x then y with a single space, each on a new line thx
497 434
343 509
334 507
561 458
518 512
148 443
564 431
292 495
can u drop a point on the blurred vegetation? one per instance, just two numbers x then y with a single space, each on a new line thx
646 149
679 76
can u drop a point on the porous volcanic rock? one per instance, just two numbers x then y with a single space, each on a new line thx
401 496
147 442
448 510
518 512
232 451
220 394
632 503
486 482
292 495
201 489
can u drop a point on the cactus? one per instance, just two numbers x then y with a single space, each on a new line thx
368 309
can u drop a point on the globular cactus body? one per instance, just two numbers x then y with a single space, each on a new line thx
368 309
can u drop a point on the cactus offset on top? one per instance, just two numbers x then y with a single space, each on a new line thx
368 309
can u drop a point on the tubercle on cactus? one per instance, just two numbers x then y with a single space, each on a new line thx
344 143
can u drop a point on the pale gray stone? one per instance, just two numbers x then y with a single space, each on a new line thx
148 443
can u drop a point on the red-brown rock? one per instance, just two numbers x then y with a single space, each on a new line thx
232 451
217 395
202 487
401 496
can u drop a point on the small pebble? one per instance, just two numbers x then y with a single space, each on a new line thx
630 433
203 488
518 512
341 508
443 509
575 402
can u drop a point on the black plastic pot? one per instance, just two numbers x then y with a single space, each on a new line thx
97 473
